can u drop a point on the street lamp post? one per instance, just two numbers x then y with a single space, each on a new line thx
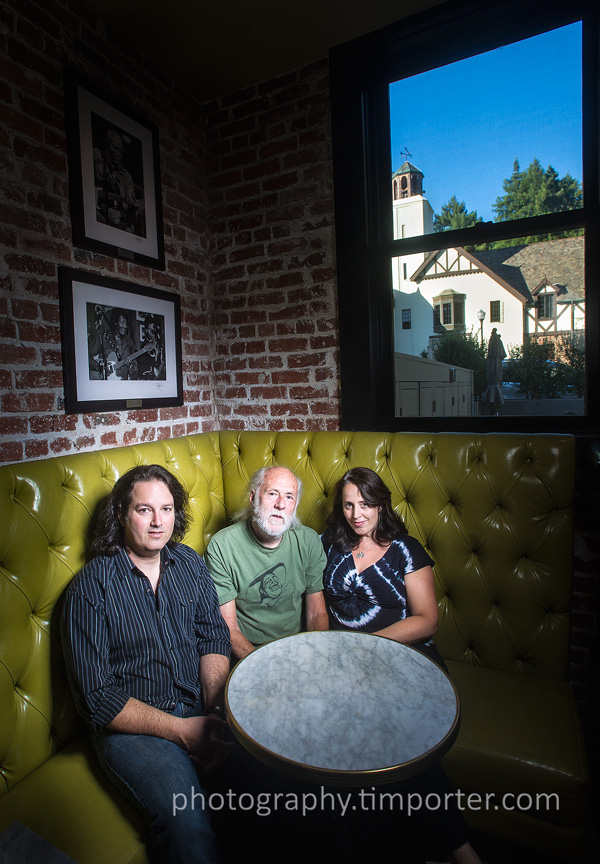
481 316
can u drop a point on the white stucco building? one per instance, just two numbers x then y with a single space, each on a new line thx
534 290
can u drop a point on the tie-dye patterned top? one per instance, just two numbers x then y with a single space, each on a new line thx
375 598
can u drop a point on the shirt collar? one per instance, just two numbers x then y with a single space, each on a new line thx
126 565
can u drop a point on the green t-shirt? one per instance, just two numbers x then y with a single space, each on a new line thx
267 584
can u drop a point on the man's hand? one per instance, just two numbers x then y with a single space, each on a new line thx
203 738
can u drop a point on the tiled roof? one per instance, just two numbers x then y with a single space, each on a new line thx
560 262
407 168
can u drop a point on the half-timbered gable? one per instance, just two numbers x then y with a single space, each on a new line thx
527 291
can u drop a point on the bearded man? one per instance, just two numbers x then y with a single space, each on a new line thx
267 567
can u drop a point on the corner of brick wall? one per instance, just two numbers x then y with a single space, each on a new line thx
273 255
255 269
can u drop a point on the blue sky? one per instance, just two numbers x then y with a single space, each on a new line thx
465 124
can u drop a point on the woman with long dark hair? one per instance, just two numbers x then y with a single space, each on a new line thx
379 580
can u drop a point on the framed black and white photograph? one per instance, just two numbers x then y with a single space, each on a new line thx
121 344
114 177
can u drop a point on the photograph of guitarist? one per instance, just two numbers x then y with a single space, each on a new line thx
111 348
119 201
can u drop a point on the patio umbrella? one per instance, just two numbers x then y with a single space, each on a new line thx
495 356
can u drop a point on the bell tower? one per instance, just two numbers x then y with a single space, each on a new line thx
412 217
407 181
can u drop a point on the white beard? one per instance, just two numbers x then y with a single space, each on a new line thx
262 518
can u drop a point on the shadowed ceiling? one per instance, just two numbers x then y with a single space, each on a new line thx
213 48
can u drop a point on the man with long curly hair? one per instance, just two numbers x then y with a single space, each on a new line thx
147 653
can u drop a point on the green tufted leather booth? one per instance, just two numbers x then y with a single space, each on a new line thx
494 511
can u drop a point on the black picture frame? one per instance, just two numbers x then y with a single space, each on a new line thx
121 344
114 176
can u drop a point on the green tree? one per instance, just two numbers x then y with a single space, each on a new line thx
535 192
458 348
570 351
454 215
538 373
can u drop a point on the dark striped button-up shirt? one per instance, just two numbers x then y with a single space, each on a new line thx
122 640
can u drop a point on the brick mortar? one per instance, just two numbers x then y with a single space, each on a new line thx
248 215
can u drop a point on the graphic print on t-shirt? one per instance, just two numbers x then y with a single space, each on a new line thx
270 588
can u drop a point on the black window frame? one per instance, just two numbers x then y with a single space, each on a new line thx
360 74
496 311
545 302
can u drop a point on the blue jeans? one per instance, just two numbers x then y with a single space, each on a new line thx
150 771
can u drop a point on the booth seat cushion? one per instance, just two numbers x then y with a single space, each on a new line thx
70 803
495 513
520 737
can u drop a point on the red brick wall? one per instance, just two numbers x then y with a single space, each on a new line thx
257 281
272 243
36 231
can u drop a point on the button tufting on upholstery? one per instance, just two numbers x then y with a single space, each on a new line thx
484 579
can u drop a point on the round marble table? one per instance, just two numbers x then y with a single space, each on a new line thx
342 708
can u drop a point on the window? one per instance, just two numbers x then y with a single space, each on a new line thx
545 306
406 319
453 310
496 311
496 253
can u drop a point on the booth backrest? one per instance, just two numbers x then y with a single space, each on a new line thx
494 511
47 508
